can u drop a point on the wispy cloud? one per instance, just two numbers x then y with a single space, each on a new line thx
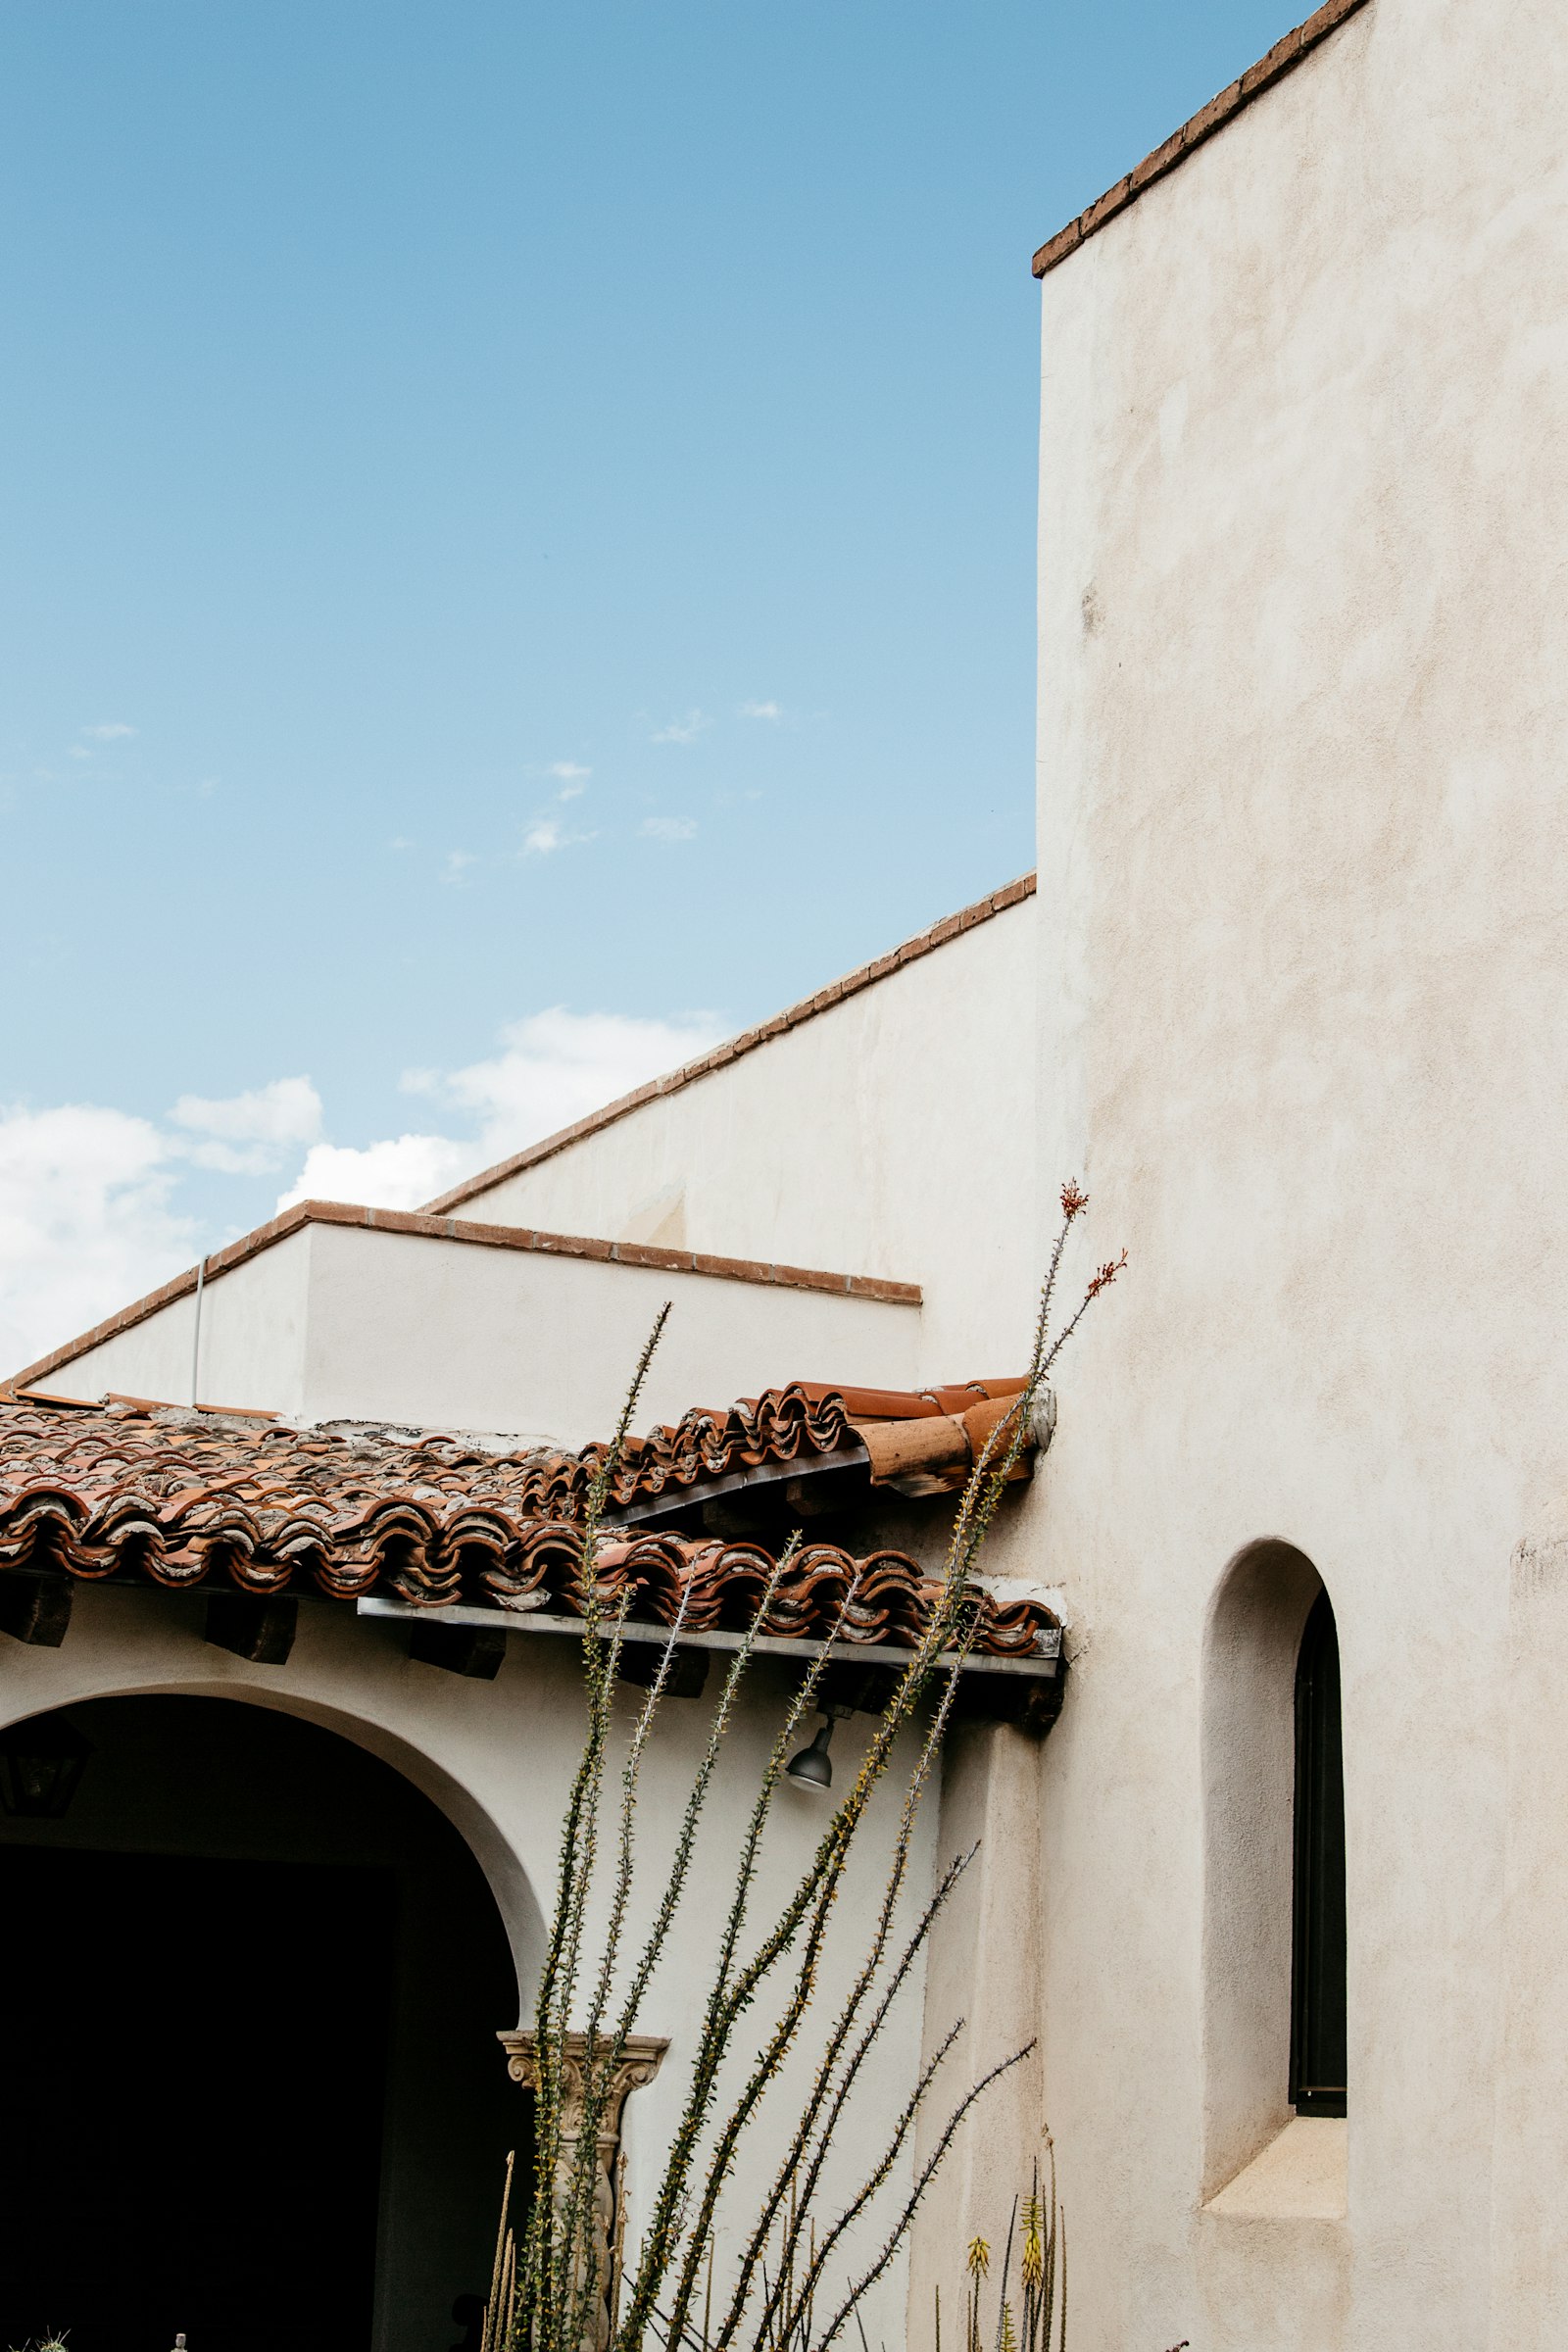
86 1221
684 730
108 730
548 832
456 864
553 1067
288 1112
667 828
772 711
89 1214
246 1135
400 841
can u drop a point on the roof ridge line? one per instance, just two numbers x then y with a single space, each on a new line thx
719 1056
1285 56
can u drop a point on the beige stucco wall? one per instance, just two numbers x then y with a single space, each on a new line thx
496 1758
360 1323
891 1134
1302 839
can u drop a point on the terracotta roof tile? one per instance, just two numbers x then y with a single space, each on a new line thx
130 1491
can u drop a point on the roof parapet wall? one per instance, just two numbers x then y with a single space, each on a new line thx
479 1236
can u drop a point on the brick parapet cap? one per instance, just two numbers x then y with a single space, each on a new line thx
485 1237
1285 56
721 1057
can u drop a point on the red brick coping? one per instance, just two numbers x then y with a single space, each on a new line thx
1281 59
484 1237
951 926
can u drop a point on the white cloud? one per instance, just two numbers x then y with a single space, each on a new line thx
399 1173
684 730
288 1112
770 711
456 864
86 1222
110 730
668 829
568 772
90 1218
264 1122
556 1066
553 1067
400 841
547 834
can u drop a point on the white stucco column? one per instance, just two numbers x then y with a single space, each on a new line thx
983 1967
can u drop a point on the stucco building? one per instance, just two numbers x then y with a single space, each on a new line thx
1279 1881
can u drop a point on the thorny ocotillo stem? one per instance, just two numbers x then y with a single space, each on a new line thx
922 2183
981 1500
868 2187
677 1875
733 1990
558 1976
724 2003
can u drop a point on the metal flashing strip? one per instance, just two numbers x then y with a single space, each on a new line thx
1042 1667
675 1498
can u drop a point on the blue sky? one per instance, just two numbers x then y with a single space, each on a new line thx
518 560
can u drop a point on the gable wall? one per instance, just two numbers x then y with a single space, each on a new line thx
891 1134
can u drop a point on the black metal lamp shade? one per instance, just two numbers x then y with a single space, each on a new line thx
812 1767
41 1764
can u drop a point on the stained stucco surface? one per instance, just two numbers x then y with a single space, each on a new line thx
1303 846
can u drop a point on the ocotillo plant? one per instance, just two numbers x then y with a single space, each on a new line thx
781 2296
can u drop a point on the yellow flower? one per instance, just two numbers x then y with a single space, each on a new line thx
1033 2256
979 2257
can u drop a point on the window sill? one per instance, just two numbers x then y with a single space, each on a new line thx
1301 2176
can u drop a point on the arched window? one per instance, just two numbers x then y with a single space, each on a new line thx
1317 1977
1274 1983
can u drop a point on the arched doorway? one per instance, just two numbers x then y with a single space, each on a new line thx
249 2076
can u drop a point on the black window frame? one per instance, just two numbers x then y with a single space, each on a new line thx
1318 2008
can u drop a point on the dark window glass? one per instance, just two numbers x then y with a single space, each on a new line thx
1317 1992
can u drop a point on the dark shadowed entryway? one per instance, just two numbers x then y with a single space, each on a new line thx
249 2078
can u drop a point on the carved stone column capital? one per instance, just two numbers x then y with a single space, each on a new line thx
636 2066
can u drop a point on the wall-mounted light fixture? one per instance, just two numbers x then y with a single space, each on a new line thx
812 1767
